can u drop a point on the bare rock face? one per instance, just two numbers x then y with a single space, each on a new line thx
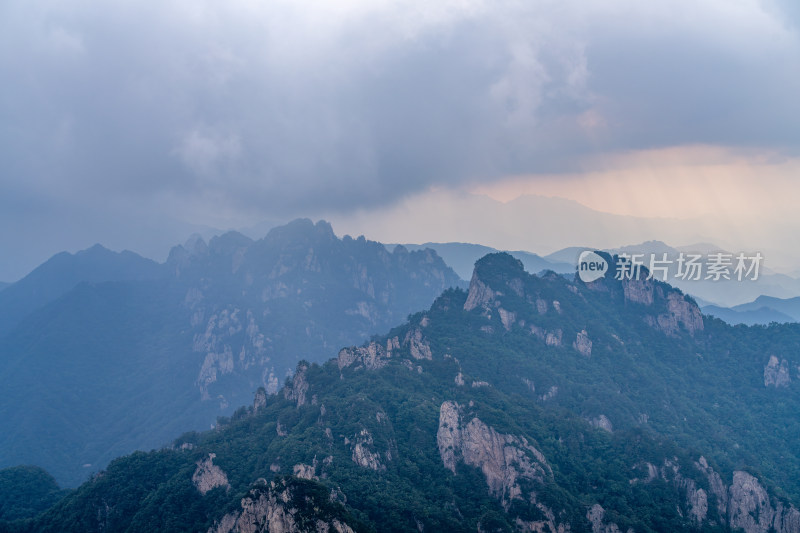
273 508
715 485
503 459
602 422
209 476
696 499
583 344
638 290
745 504
372 357
507 318
553 338
299 387
680 312
595 516
541 306
685 312
749 508
550 394
260 400
362 453
776 374
304 471
417 345
480 295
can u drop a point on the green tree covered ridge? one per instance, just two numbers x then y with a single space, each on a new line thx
528 403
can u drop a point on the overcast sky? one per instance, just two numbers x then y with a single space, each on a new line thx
135 123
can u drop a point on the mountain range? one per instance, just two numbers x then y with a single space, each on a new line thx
527 403
103 353
461 257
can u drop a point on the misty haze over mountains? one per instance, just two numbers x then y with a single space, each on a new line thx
104 352
483 356
536 224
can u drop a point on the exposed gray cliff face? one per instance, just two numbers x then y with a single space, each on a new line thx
638 290
480 295
541 306
596 516
260 399
418 346
681 313
363 454
223 354
602 422
750 508
299 388
583 344
375 356
550 338
209 476
507 318
553 338
744 504
716 486
371 357
776 373
273 508
503 459
304 471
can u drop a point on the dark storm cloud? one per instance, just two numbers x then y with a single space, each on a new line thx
206 111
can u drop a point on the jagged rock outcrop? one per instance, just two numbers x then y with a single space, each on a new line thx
417 345
304 471
371 357
541 306
276 508
299 388
553 338
551 393
209 476
638 290
595 515
503 459
362 453
260 399
480 295
680 313
745 504
507 318
602 422
716 486
776 373
583 344
374 356
749 508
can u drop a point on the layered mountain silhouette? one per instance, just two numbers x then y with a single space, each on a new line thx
103 353
462 257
